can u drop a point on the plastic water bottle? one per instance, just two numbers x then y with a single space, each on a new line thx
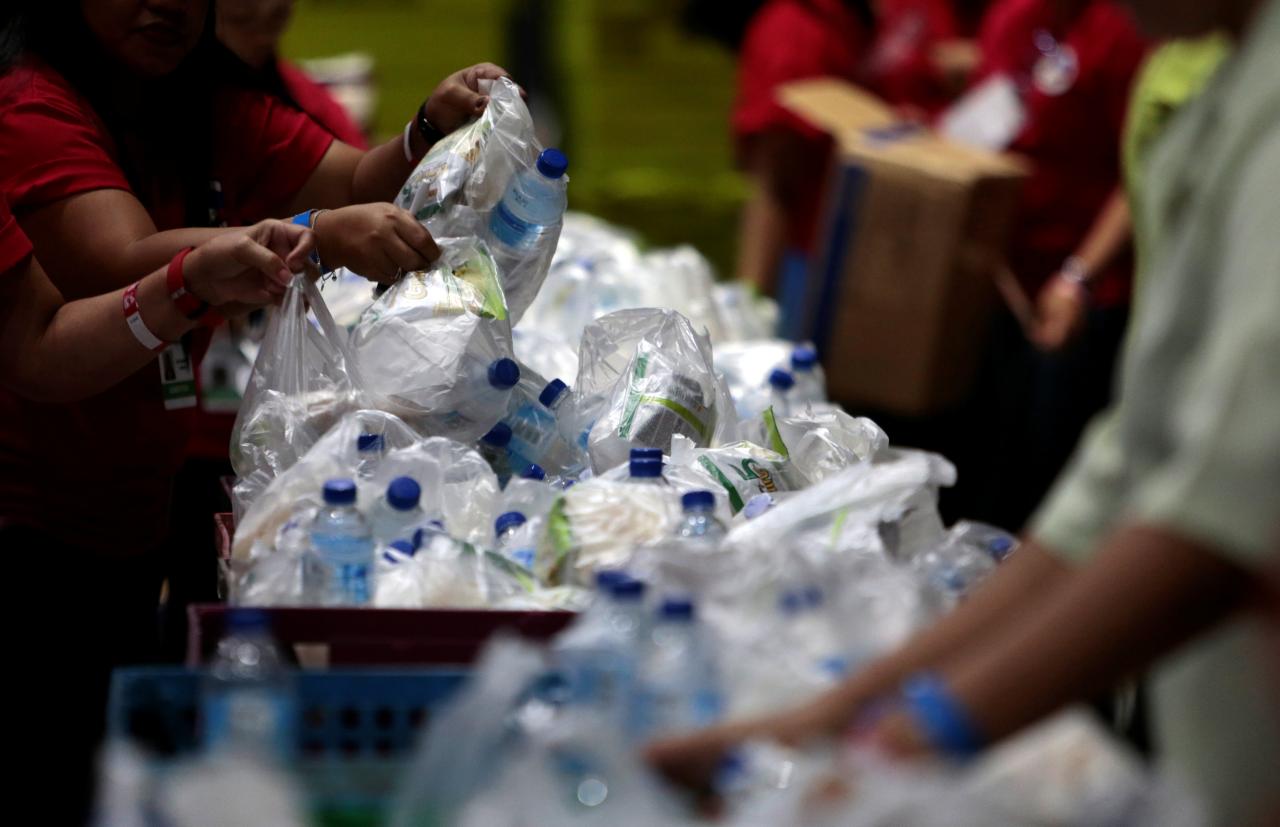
369 450
247 698
488 391
809 629
597 656
679 688
342 541
700 526
534 201
397 514
425 534
555 398
781 383
646 466
512 542
811 386
534 472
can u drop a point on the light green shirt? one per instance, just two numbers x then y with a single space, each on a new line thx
1193 443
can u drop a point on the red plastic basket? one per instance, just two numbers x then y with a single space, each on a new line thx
378 637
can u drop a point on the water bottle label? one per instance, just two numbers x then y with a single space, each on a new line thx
352 582
512 230
263 716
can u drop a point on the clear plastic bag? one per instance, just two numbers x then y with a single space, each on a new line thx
426 346
472 166
822 442
303 381
660 383
742 470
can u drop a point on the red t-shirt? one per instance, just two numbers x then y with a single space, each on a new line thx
14 246
899 65
791 40
315 100
97 473
1073 137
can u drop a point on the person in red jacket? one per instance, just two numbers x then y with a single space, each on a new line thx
1056 77
784 158
923 54
253 30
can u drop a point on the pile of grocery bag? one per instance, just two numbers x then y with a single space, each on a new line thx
552 417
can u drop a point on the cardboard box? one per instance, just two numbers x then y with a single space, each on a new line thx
900 287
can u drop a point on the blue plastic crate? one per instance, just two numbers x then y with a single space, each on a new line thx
344 715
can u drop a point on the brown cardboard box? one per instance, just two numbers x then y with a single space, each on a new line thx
900 287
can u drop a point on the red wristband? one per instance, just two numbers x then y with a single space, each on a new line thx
188 303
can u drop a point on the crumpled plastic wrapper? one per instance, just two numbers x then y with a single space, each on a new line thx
425 346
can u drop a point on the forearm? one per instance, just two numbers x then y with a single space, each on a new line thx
71 351
1110 235
1005 600
1146 592
382 171
761 239
155 250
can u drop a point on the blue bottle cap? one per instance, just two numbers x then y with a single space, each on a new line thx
552 392
403 493
812 596
499 436
606 579
508 521
697 500
420 536
781 379
804 358
504 373
627 589
339 492
369 442
534 472
646 453
999 547
405 547
552 163
646 468
790 602
676 608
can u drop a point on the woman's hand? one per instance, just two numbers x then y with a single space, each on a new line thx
378 241
1060 312
458 98
251 266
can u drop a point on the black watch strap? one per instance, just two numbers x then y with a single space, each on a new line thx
428 132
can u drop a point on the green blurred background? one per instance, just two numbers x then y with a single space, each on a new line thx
643 106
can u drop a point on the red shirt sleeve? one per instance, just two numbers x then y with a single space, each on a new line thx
266 151
315 101
791 40
14 246
52 144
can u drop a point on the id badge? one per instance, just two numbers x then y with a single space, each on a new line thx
177 378
989 117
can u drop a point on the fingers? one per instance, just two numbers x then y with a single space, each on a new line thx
253 255
472 75
405 257
417 238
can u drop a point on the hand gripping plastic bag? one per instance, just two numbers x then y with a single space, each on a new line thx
472 165
303 381
663 385
455 189
431 348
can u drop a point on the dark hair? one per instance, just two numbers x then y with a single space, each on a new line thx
168 139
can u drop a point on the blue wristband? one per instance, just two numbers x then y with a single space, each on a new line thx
308 219
945 723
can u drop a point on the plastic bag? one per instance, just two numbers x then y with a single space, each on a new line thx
335 455
742 470
666 386
426 346
303 381
745 314
472 165
824 442
448 573
597 524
